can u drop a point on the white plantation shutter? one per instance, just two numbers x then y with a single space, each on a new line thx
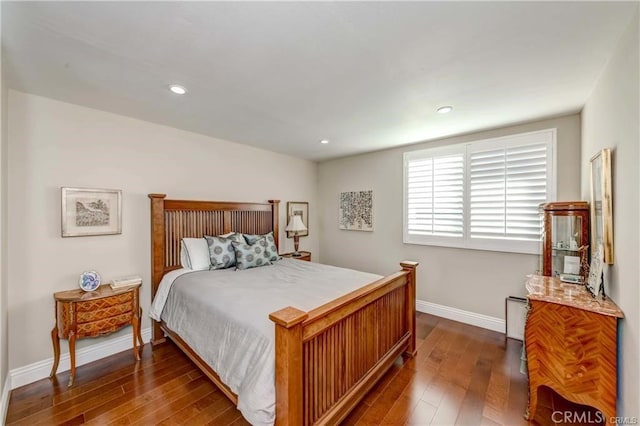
435 195
506 187
482 195
526 181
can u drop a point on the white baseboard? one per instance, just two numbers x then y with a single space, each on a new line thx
4 401
467 317
39 370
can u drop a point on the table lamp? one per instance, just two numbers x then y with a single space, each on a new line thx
296 226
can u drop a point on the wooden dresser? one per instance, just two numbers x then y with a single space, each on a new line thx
571 344
89 314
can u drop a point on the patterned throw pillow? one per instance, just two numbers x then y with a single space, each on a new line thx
233 236
272 250
221 252
251 255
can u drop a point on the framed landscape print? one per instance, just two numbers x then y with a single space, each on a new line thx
91 212
298 208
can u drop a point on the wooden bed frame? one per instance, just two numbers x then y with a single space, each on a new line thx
327 358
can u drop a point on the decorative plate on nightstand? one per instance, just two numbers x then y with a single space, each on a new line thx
89 280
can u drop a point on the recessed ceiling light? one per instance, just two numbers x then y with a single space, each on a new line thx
324 141
177 89
444 109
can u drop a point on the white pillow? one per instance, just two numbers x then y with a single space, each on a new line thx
194 254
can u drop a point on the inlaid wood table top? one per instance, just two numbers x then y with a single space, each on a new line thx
104 290
552 290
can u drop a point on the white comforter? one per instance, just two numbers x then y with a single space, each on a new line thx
224 317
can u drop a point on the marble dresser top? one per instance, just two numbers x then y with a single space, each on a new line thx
552 290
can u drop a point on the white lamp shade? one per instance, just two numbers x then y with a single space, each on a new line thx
295 224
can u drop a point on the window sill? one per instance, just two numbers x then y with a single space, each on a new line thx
517 247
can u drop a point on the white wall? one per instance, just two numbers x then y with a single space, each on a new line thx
611 119
54 144
471 280
3 237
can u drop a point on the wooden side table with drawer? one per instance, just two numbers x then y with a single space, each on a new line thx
96 313
304 255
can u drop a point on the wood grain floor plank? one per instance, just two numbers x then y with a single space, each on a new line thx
410 397
67 410
138 388
229 416
422 414
383 383
387 398
518 385
144 398
355 415
209 413
488 422
240 422
172 402
449 406
27 407
183 416
497 397
471 408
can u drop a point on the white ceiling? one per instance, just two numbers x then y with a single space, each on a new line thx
282 76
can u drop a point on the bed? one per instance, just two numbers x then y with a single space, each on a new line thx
326 357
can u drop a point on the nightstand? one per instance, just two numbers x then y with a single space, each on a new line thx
96 313
304 255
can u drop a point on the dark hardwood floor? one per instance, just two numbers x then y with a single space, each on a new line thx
462 375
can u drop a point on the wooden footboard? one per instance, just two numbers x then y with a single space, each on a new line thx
328 358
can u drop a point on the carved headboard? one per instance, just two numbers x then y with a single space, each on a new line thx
172 220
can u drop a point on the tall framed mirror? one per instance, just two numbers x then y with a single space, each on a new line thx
602 205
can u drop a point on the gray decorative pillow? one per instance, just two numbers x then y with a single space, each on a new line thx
221 252
251 255
234 236
252 238
270 246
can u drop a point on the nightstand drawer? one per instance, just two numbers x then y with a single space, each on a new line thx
96 304
104 326
111 311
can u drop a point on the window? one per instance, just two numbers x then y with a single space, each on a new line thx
480 195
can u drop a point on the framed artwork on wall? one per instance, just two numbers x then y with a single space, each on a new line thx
298 208
356 211
91 212
602 204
